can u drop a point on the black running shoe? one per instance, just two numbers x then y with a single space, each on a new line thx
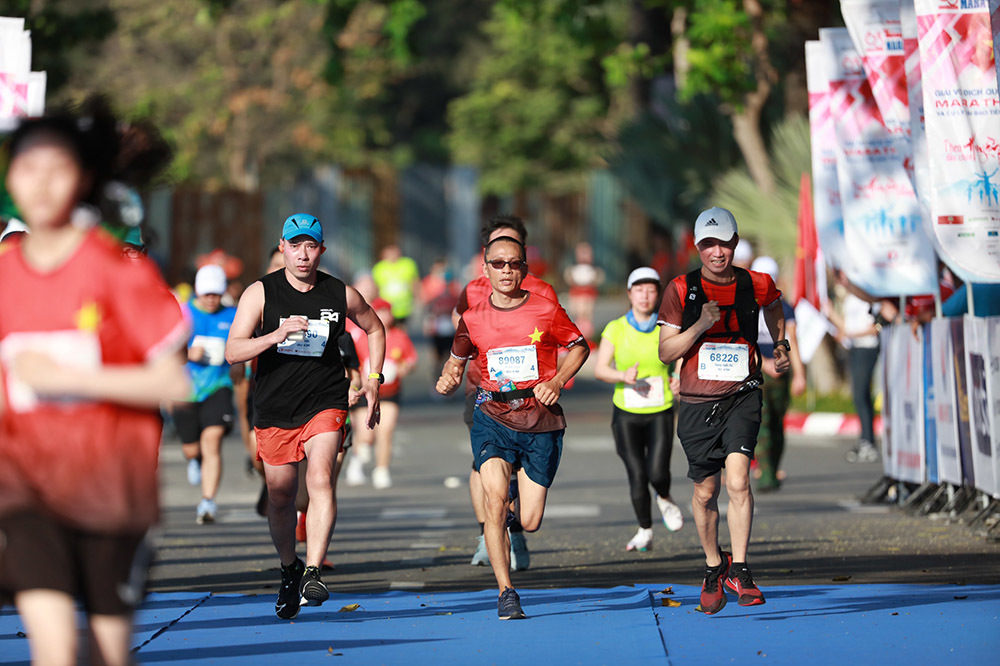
287 605
314 592
509 605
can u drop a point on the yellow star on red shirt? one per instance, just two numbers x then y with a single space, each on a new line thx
536 336
88 317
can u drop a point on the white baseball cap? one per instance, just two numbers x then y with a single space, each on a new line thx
766 265
644 274
743 252
715 223
210 279
14 226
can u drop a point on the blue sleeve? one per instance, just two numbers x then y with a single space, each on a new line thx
957 304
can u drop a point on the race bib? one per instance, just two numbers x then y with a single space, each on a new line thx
311 342
215 349
519 364
723 362
646 392
74 349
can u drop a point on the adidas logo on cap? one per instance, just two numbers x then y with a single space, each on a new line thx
712 223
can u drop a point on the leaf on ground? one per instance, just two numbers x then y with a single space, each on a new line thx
670 603
895 613
443 613
349 608
841 579
785 571
962 597
669 590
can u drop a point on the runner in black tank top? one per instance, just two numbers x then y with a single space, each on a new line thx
290 320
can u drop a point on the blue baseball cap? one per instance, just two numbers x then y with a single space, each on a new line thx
302 224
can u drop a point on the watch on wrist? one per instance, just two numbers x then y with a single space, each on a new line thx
784 344
379 376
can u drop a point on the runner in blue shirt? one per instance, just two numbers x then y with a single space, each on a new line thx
207 417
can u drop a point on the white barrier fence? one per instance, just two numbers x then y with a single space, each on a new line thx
941 406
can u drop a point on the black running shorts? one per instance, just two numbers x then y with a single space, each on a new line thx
106 572
710 431
191 418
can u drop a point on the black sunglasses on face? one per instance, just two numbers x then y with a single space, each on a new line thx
515 264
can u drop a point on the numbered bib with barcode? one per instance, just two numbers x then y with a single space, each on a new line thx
646 392
312 343
215 349
519 364
723 362
80 350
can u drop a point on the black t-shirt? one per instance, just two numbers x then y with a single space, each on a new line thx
298 379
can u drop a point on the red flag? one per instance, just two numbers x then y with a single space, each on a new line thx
807 248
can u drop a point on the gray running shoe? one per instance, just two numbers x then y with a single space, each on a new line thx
314 591
520 559
509 605
481 558
865 452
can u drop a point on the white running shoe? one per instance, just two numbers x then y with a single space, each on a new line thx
642 540
356 472
480 558
672 516
381 479
194 472
363 453
206 511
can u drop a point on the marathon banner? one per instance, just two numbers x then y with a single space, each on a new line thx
921 170
945 414
904 453
22 92
995 20
982 368
962 121
874 26
826 191
889 252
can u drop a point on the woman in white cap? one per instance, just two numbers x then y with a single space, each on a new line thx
643 419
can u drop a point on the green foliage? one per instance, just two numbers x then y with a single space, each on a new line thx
668 165
769 221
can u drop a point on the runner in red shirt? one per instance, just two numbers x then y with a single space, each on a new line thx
514 337
400 359
90 344
709 318
476 292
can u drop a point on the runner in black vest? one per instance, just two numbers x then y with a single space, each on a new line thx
286 319
709 318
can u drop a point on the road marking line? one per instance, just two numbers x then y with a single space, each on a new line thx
572 511
413 514
425 545
855 506
406 585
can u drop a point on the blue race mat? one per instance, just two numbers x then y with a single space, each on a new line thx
565 627
915 624
157 613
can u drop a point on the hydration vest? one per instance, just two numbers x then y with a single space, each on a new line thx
744 304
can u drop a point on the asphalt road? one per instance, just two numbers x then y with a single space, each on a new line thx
420 534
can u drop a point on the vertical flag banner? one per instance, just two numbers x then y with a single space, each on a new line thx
22 92
930 420
905 365
889 252
918 137
962 418
826 192
993 392
962 120
977 360
995 20
946 415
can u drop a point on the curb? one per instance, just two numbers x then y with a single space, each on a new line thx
827 423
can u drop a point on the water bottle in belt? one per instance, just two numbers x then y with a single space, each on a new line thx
506 384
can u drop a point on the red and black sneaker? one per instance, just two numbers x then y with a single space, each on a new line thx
740 582
713 594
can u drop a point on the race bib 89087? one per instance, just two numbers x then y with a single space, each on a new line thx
519 364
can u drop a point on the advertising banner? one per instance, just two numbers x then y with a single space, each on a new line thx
906 366
930 422
962 417
889 252
995 21
962 121
977 359
22 92
826 191
993 392
946 421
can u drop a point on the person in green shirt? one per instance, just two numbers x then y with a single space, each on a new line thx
643 419
398 280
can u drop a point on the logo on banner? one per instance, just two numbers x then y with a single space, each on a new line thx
963 4
981 188
875 188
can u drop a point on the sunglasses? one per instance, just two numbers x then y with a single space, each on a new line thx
515 264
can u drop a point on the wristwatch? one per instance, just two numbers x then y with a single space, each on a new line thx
783 344
377 375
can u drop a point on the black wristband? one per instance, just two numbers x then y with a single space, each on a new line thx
783 344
